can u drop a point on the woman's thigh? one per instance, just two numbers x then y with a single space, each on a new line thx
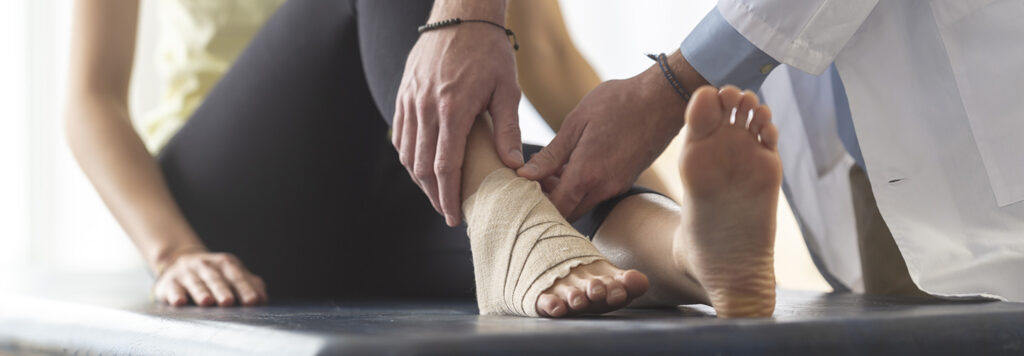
383 27
288 165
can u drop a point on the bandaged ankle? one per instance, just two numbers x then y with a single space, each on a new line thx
521 245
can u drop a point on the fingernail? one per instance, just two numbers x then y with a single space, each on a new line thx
517 155
530 169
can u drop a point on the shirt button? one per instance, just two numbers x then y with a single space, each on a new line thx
767 68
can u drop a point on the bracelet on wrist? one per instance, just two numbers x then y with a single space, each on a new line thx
458 21
669 76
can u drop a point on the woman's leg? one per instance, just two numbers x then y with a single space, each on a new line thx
384 73
716 248
521 227
287 164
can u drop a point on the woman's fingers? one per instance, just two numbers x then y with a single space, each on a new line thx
208 279
169 291
196 289
176 296
261 288
247 294
214 282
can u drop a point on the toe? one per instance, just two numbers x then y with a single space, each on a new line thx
730 97
704 112
547 304
636 283
574 297
770 136
617 294
596 290
748 101
558 309
762 115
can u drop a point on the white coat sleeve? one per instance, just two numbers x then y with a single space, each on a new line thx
805 34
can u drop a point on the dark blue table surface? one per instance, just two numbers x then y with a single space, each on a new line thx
124 322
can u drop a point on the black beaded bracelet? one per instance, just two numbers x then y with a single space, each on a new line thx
665 70
456 21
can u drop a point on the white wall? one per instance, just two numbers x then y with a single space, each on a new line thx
14 159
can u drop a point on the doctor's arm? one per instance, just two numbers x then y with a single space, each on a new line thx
639 116
106 146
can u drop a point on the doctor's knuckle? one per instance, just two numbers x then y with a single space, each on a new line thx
447 106
588 181
445 168
422 171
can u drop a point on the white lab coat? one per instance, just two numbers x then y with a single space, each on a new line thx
934 90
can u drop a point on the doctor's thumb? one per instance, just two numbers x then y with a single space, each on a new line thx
508 140
550 159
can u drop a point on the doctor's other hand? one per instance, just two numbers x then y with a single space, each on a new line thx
209 279
452 75
614 133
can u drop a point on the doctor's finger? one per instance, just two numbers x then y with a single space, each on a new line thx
504 109
407 151
570 192
397 122
588 203
552 157
549 183
426 144
451 151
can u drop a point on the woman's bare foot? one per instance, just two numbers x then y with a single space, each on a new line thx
594 288
731 175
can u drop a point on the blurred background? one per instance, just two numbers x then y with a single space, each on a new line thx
51 219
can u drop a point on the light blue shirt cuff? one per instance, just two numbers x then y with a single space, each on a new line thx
723 56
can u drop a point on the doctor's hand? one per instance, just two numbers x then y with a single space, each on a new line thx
614 133
208 279
452 75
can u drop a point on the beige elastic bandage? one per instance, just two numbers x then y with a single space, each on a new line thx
521 244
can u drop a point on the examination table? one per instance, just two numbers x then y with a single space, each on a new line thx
101 315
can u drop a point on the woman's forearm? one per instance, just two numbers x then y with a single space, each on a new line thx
127 178
101 136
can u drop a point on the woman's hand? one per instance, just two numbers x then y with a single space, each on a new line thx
209 278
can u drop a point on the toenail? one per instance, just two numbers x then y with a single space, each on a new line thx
597 290
556 309
617 293
578 301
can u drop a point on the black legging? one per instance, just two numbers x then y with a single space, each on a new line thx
287 164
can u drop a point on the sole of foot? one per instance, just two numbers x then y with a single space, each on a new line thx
731 173
593 288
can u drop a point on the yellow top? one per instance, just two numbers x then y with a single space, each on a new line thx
199 40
